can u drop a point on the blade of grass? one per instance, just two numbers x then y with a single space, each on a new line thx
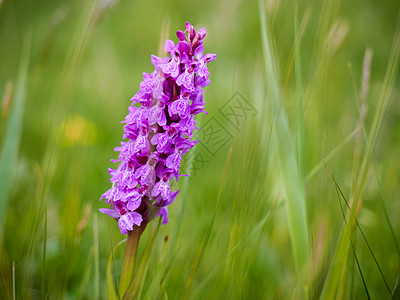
331 154
293 188
9 153
48 290
299 33
362 109
111 290
396 289
393 234
339 191
87 274
44 252
340 194
337 264
299 85
13 280
6 101
6 269
96 282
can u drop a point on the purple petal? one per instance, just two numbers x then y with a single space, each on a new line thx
181 35
163 213
169 46
190 29
171 68
209 57
110 212
201 34
162 188
183 48
172 197
128 220
198 53
203 71
154 139
186 79
174 161
134 203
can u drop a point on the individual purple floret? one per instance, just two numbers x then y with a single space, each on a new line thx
157 132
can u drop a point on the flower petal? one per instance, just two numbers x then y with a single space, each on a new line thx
198 53
128 220
110 212
169 46
163 213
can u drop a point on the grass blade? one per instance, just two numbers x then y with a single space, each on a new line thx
340 194
299 85
111 290
13 279
339 259
96 283
293 187
339 191
9 153
44 251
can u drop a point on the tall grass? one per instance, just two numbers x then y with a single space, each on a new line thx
283 143
340 257
12 138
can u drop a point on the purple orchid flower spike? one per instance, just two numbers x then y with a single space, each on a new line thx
157 132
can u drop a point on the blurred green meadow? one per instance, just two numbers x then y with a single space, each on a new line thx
294 190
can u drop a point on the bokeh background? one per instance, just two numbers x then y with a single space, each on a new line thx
261 216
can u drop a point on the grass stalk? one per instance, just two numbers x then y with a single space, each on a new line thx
299 85
13 280
44 252
291 179
112 292
96 281
12 138
338 261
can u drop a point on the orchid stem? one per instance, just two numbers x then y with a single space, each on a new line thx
128 267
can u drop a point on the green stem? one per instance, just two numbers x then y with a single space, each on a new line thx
136 282
128 267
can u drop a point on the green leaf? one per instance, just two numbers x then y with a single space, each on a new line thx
111 291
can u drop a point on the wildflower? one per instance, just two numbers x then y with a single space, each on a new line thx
157 133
